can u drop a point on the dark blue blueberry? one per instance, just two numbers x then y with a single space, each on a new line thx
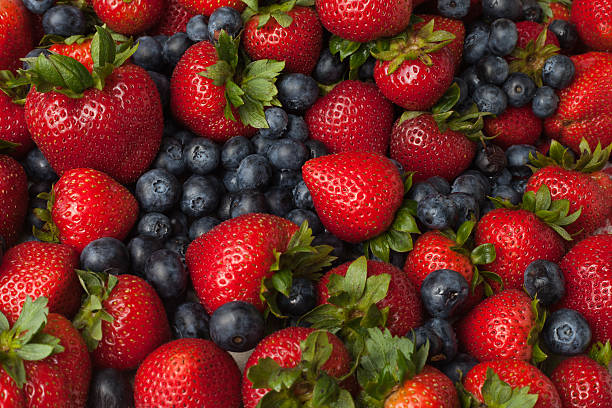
467 207
493 69
302 197
197 28
490 159
421 336
519 88
155 225
285 178
341 250
202 226
248 201
316 148
566 33
106 255
157 190
558 71
471 78
329 69
545 102
161 39
519 185
34 54
566 332
224 211
170 157
545 280
490 98
503 178
179 222
64 20
444 330
463 90
230 181
297 92
454 8
302 298
224 18
484 180
476 44
287 154
200 196
164 270
149 54
38 6
470 184
506 193
261 144
457 369
236 326
422 190
175 47
366 71
503 37
510 9
532 11
443 293
280 201
234 150
518 159
110 388
178 244
140 249
277 121
162 83
486 208
440 184
298 216
183 136
297 129
202 155
190 321
437 212
254 172
39 187
37 167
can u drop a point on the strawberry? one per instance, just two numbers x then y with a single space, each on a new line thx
46 387
216 260
190 373
360 21
122 319
592 19
87 123
528 31
13 198
535 44
284 32
587 269
15 33
13 127
39 269
450 25
85 205
79 50
129 17
206 7
584 105
313 356
174 19
354 116
11 395
204 96
556 10
483 382
571 180
514 126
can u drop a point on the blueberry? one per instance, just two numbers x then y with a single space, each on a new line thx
519 88
64 20
302 298
545 280
287 154
183 136
340 248
421 336
443 293
463 90
558 71
506 193
37 167
445 332
519 185
503 178
34 54
286 178
162 83
493 69
225 207
190 321
175 47
224 18
39 187
471 78
170 157
457 369
297 92
518 159
161 39
178 244
467 207
316 148
197 28
545 102
422 190
261 144
200 196
280 201
329 69
532 11
178 222
366 71
484 180
38 6
148 54
440 184
437 212
476 45
106 255
234 150
236 326
110 388
155 225
454 8
248 201
297 129
470 184
164 270
277 121
490 159
202 156
490 98
566 33
157 190
503 37
510 9
298 216
230 181
140 249
201 226
302 197
566 332
254 172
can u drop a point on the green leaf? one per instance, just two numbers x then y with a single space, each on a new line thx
327 317
464 232
283 19
561 231
4 323
103 48
376 290
267 373
32 318
405 222
342 46
543 198
227 49
325 389
602 353
281 281
409 115
483 254
15 368
380 247
448 100
355 278
399 241
220 73
373 317
497 393
316 349
34 352
252 4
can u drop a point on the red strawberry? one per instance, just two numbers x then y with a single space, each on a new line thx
360 21
38 269
130 324
593 21
584 105
174 19
559 10
516 374
80 50
429 387
15 34
190 373
354 116
13 198
587 269
131 17
46 387
87 204
10 395
530 30
206 7
293 36
450 25
285 347
13 127
514 126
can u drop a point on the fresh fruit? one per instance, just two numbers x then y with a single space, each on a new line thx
451 25
443 293
130 17
13 127
545 280
15 33
79 50
566 332
173 19
236 326
592 21
13 198
514 126
207 7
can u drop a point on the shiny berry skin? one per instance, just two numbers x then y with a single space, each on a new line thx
15 33
130 17
582 383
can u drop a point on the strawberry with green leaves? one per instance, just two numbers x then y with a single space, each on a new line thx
76 47
455 27
13 197
131 16
534 46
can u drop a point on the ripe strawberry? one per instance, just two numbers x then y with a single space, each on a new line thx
46 387
292 348
174 19
131 17
85 205
15 33
13 127
13 198
206 7
354 116
515 373
38 269
450 25
360 21
592 19
556 10
587 269
530 30
535 44
294 36
584 105
11 395
429 387
79 50
122 320
190 373
514 126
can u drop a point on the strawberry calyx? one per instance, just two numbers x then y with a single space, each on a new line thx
540 314
248 90
602 353
558 155
301 259
278 12
49 232
555 213
25 341
530 60
497 394
88 321
306 384
10 85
